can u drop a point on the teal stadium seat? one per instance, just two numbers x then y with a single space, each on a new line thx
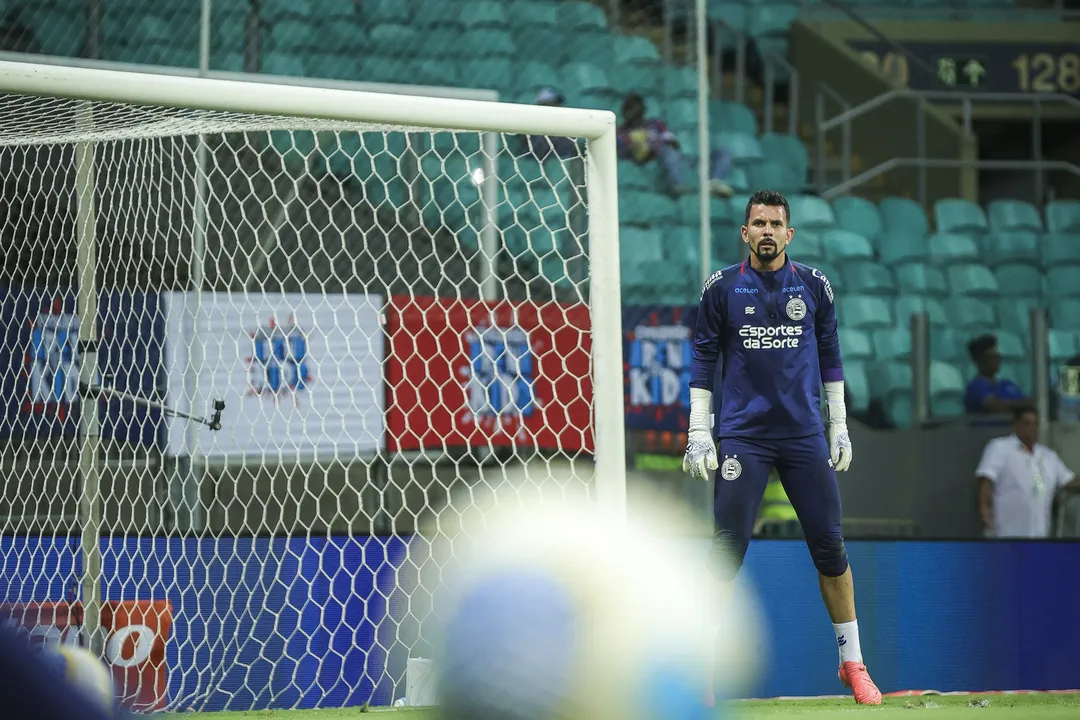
279 9
729 116
955 215
484 14
745 149
577 15
682 116
772 22
382 12
973 280
859 215
890 382
531 14
386 41
970 313
1063 282
1011 246
542 44
921 279
897 249
903 217
58 32
1059 249
489 43
1014 314
635 51
774 175
682 246
1065 314
532 75
809 212
892 343
864 312
438 14
733 19
945 247
282 63
293 35
1019 280
908 305
679 82
843 246
1063 344
1063 216
855 344
832 274
1011 346
790 151
586 79
947 388
808 246
1020 373
345 36
493 73
1010 215
637 177
334 66
868 278
738 180
948 344
857 384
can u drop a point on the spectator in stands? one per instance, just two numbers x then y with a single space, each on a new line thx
642 139
542 146
987 393
1018 479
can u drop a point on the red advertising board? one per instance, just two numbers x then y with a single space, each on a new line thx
467 372
135 636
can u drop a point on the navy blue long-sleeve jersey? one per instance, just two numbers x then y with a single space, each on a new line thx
776 335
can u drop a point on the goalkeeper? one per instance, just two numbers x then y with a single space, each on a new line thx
774 323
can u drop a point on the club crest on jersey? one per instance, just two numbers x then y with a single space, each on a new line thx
796 309
730 469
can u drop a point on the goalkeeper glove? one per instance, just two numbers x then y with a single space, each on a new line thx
839 440
700 455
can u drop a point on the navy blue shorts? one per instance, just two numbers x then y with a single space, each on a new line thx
808 477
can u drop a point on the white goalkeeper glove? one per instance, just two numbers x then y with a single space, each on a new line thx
700 455
839 440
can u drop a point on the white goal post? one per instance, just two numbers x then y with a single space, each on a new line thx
100 164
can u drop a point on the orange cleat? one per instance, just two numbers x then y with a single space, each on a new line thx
855 676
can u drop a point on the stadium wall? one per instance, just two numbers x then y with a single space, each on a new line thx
317 622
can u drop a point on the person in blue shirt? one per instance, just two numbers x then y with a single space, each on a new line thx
987 393
772 323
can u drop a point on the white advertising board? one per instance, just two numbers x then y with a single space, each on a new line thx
300 374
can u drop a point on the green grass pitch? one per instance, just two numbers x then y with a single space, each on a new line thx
950 707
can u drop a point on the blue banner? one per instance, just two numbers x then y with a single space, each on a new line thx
656 356
40 363
257 622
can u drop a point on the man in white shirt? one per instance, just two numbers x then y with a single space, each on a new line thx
1018 479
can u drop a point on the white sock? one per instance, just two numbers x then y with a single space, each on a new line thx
847 641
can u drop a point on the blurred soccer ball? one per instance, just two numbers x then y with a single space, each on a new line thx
557 611
87 673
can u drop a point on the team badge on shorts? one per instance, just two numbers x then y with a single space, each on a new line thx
796 308
731 469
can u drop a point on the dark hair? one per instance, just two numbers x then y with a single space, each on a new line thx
1023 410
768 198
978 347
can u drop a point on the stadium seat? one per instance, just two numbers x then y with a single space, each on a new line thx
892 343
771 20
896 249
954 215
947 388
973 280
1015 246
1010 215
1065 314
382 12
336 66
57 32
945 247
345 36
864 277
542 44
1063 282
832 274
1015 314
1011 345
890 382
738 181
903 217
280 63
791 152
1063 216
743 148
679 82
732 117
682 245
859 215
530 14
734 18
864 312
845 246
578 15
908 305
483 14
635 51
1060 249
1019 281
1063 344
773 174
855 344
921 279
948 344
809 212
970 313
489 42
642 245
682 116
386 41
856 384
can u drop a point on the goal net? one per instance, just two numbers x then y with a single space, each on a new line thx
263 345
